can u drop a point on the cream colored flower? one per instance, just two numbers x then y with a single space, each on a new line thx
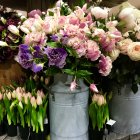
114 54
134 51
123 46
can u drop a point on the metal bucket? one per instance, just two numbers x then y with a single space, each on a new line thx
125 110
68 110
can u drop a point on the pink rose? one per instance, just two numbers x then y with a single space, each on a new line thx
134 51
105 65
93 88
93 52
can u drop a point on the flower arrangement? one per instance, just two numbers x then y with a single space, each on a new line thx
10 36
126 55
76 42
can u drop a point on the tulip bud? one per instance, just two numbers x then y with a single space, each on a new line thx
73 85
33 102
101 100
24 29
13 29
9 95
42 79
93 88
39 100
14 94
95 98
20 104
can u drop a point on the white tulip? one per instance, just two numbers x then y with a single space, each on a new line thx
3 44
13 29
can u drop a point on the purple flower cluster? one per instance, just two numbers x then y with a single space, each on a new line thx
26 58
56 56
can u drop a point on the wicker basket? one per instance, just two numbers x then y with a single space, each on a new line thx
10 71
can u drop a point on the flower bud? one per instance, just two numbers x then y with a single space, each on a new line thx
13 29
101 100
33 102
39 100
73 85
20 104
93 88
9 95
24 29
47 80
95 98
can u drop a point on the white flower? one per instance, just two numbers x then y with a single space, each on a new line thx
99 12
114 54
13 29
3 44
24 29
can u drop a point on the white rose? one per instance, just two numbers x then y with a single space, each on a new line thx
13 29
99 12
114 54
134 51
3 44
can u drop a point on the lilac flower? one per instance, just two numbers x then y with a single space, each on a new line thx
37 52
24 57
56 56
37 67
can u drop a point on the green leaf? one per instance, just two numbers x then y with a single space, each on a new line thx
40 119
71 51
52 70
92 114
69 71
52 44
83 73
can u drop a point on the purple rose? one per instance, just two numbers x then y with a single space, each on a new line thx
37 67
56 56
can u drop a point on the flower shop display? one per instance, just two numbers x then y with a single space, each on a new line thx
10 38
125 75
76 43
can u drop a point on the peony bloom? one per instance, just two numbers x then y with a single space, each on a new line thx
73 85
99 13
93 52
134 51
105 65
56 56
93 88
13 29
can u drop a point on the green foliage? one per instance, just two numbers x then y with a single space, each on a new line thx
98 114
